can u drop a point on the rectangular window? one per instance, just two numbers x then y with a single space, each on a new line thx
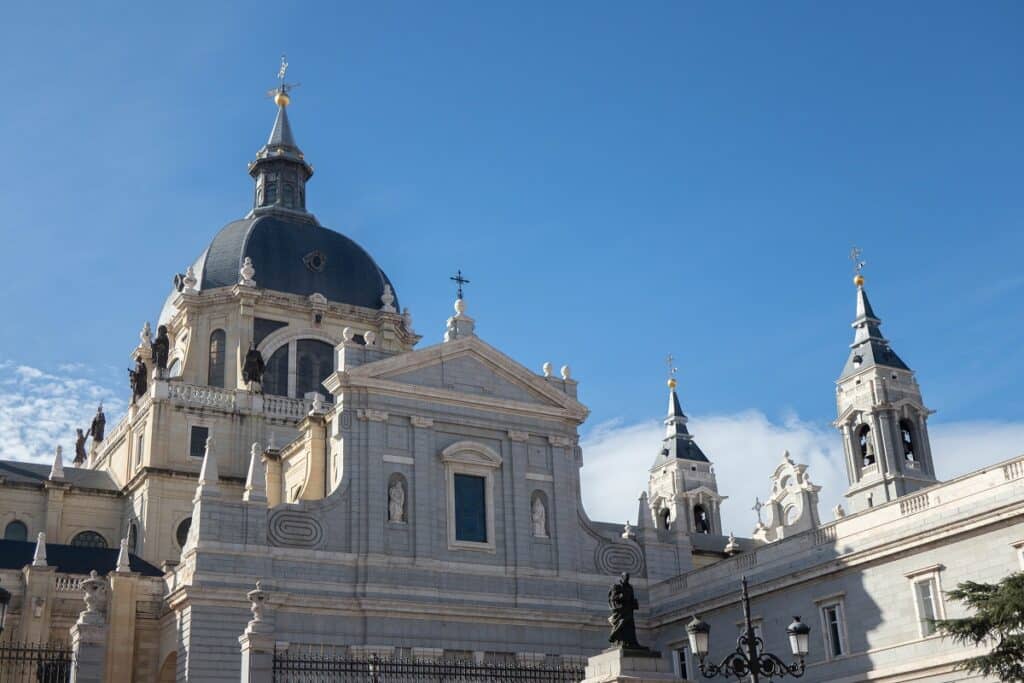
926 612
197 441
832 621
140 441
682 662
470 508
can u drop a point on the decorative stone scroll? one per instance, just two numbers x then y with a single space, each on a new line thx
615 558
294 529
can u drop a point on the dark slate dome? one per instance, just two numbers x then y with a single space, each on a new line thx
296 256
290 251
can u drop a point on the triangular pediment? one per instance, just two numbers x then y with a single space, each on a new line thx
472 369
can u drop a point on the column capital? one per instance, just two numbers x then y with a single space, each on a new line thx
514 435
421 422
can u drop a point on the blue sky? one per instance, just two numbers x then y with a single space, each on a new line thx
619 180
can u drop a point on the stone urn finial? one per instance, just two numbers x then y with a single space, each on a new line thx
190 281
248 273
388 299
546 368
258 605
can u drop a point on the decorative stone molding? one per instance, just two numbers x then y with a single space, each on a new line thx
370 415
560 441
421 422
294 529
615 558
518 436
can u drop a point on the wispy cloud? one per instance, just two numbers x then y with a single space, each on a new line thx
745 447
41 409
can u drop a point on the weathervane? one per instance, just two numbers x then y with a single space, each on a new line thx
858 265
457 278
670 361
280 93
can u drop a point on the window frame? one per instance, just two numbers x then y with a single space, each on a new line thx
12 522
474 459
838 602
222 359
682 657
931 575
192 425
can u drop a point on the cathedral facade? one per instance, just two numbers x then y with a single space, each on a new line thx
287 430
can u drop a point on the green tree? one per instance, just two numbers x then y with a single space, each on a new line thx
997 621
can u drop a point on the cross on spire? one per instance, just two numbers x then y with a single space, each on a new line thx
672 369
457 278
855 255
280 93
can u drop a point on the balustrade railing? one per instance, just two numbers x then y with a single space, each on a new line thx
211 397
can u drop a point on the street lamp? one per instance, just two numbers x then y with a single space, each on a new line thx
749 657
5 599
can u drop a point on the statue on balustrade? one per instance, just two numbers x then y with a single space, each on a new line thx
137 379
253 367
99 423
161 348
80 454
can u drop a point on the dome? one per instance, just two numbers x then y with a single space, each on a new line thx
290 250
292 255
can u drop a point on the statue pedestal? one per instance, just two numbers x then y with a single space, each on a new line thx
635 666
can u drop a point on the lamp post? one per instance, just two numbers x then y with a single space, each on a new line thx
5 600
749 657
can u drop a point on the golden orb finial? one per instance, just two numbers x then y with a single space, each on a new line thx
858 280
671 382
281 99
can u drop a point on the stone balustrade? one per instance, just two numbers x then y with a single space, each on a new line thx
208 397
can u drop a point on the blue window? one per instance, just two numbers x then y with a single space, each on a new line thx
275 378
470 508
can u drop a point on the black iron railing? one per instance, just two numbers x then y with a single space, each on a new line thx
311 666
35 663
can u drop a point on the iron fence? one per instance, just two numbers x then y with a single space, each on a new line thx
35 662
318 667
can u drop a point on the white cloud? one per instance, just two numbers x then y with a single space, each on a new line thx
745 447
39 410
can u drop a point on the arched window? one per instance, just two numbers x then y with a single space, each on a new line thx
218 349
314 363
16 531
275 376
866 446
89 539
270 195
701 522
288 196
181 533
665 518
133 538
789 515
907 437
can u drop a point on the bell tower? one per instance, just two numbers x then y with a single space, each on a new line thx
682 490
881 415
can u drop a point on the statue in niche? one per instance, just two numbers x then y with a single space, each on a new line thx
396 501
80 454
137 379
701 519
253 367
622 602
539 514
99 423
161 348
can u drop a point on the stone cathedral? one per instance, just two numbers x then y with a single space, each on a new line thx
288 429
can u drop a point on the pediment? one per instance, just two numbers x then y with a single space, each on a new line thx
472 369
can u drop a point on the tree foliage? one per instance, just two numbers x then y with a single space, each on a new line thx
997 622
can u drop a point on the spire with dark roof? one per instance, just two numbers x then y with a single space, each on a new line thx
280 169
678 442
869 347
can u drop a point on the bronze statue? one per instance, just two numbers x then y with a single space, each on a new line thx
253 367
80 455
161 348
622 602
99 423
137 379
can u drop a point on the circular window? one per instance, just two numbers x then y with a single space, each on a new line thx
181 534
89 539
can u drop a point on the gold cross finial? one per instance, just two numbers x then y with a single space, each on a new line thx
858 265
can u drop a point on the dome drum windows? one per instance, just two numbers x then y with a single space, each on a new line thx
218 355
298 368
89 539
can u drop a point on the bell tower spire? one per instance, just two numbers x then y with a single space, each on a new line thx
881 414
280 169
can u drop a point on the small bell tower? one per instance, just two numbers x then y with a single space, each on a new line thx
881 415
682 490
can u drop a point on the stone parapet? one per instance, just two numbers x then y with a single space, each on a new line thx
617 664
